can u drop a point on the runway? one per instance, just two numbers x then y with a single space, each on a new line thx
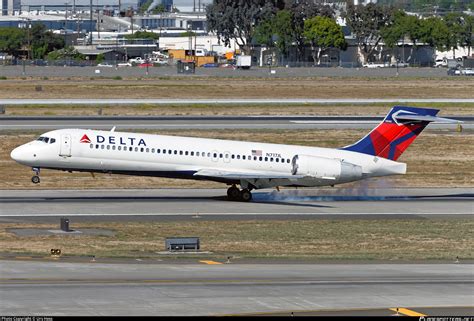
54 288
206 122
211 204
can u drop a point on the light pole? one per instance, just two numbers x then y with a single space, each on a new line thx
65 21
398 61
29 38
27 25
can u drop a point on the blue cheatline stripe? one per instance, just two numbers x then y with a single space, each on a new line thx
393 145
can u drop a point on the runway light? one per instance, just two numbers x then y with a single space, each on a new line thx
228 260
457 259
93 258
55 252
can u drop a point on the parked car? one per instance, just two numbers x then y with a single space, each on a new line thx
124 64
39 62
105 64
145 64
210 65
400 65
454 72
441 63
138 60
374 65
467 72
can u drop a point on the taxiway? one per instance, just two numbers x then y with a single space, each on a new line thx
55 288
206 122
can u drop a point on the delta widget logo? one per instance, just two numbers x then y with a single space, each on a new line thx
85 139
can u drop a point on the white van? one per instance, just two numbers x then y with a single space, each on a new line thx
201 52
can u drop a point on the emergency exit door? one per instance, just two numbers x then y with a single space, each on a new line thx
65 149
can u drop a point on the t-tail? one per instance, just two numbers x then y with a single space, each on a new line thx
397 131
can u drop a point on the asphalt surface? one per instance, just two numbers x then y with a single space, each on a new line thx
254 72
54 288
232 101
206 122
211 204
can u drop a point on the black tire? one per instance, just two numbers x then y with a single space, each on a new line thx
245 195
35 179
233 193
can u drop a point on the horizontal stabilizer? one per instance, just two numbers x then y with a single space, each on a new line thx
425 118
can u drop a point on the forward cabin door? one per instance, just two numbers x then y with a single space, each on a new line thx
65 149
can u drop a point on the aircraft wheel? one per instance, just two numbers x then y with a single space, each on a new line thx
245 195
233 193
35 179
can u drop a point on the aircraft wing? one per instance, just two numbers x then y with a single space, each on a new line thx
244 175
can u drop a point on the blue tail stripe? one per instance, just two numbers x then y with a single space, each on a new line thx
393 145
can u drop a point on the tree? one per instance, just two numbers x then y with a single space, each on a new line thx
143 35
12 40
159 9
284 31
455 24
277 31
435 33
300 11
237 19
366 23
144 7
100 58
44 41
403 26
264 32
323 33
66 53
466 38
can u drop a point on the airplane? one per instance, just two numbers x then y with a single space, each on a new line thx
251 165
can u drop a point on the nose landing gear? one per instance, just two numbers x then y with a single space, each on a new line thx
35 179
234 194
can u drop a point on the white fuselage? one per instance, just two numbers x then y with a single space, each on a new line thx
198 158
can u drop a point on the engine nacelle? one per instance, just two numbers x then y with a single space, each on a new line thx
325 168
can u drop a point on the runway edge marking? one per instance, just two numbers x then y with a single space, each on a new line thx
408 312
208 262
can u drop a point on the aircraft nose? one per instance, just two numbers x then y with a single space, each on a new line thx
19 154
15 154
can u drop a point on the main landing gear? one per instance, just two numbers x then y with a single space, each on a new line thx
234 194
35 179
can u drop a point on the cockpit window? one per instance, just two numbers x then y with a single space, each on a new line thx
46 140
